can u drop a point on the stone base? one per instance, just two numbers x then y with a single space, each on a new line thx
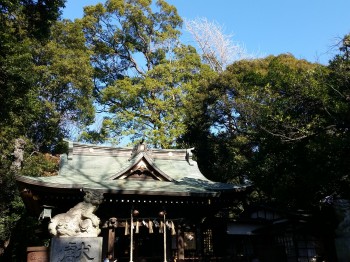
38 254
76 249
342 246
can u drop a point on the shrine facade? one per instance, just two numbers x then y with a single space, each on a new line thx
146 204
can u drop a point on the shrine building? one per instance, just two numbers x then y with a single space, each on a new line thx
155 204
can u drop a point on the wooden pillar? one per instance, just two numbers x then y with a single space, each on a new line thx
111 225
180 245
111 238
199 241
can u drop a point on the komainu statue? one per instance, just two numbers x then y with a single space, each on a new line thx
79 221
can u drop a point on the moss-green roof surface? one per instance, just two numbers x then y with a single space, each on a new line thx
106 169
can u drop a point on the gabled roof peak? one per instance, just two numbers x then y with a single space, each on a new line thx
142 167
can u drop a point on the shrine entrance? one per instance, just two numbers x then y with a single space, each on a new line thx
146 246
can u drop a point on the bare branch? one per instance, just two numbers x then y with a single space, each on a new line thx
284 137
217 48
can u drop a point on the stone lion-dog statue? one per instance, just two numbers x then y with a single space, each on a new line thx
80 220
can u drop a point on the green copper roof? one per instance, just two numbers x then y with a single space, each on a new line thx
131 171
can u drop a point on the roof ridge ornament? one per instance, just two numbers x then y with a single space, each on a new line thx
70 150
138 148
189 155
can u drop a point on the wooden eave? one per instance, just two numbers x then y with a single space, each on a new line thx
49 188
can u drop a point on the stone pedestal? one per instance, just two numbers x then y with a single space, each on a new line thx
76 249
38 254
342 239
342 245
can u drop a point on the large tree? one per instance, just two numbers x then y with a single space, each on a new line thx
18 32
339 89
46 81
280 122
143 75
64 85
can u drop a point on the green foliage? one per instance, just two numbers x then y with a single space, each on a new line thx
27 108
287 101
33 17
27 232
20 26
11 206
38 164
45 79
144 78
154 106
283 123
45 85
121 33
64 82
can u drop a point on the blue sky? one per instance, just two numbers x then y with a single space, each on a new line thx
305 28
